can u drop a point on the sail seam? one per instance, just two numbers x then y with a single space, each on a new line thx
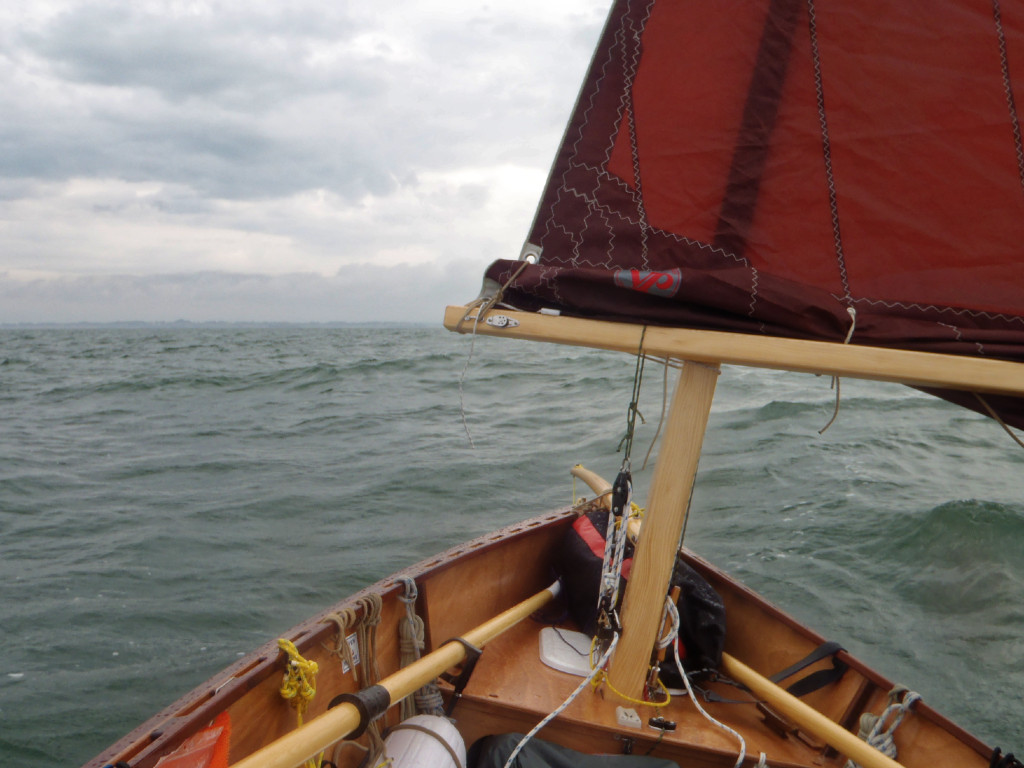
1004 60
630 64
833 201
563 185
935 308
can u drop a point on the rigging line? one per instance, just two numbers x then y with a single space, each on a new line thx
626 444
483 305
998 418
661 419
462 380
835 379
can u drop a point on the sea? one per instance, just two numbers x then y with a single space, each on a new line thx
173 496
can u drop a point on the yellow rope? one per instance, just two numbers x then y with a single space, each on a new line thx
602 678
299 684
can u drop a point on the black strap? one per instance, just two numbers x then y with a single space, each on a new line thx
371 703
815 680
801 687
472 656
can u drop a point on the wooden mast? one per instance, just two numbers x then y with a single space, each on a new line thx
667 505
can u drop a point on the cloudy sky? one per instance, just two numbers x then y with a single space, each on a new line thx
280 160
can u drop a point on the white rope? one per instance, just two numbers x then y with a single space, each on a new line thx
712 720
462 380
561 708
427 699
878 730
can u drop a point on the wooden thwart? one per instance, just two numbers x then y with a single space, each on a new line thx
337 723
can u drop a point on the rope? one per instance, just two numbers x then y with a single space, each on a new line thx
299 685
483 305
363 617
411 643
626 444
693 698
599 667
835 379
878 730
994 415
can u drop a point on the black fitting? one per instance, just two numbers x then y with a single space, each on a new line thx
371 702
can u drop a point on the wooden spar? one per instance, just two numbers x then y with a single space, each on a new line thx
335 724
603 489
667 505
922 369
811 720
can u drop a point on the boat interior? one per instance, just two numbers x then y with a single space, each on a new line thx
510 689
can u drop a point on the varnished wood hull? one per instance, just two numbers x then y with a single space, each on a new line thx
511 690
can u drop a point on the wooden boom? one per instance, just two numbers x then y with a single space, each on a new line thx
921 369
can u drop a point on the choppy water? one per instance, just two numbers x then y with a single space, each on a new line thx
172 497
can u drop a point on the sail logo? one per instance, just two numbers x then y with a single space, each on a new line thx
647 281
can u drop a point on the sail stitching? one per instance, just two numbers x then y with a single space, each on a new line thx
657 230
960 337
630 68
1004 60
936 308
833 202
595 90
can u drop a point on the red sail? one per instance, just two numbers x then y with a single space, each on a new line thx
764 166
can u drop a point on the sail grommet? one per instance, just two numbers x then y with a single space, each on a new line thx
531 253
371 702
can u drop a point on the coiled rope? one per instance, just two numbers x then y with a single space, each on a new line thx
878 730
427 700
299 684
363 618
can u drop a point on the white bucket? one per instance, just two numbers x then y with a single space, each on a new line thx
410 747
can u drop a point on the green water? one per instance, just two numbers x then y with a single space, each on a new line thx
171 498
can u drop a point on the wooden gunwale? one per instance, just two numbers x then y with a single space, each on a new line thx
165 730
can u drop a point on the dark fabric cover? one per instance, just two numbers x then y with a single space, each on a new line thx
701 611
493 751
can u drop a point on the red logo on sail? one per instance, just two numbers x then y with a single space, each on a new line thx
648 281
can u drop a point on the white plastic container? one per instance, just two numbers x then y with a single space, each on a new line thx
420 746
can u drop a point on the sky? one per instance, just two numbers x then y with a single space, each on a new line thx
274 160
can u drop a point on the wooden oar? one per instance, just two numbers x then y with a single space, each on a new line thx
808 718
336 723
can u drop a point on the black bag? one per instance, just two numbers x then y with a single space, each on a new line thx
493 752
701 611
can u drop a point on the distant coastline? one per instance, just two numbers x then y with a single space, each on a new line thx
187 324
